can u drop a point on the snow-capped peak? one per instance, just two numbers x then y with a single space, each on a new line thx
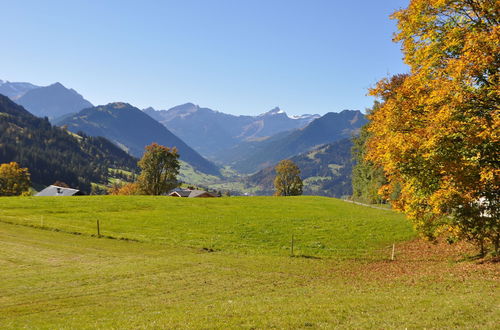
275 111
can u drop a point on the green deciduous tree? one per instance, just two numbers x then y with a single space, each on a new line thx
14 180
160 167
288 181
367 177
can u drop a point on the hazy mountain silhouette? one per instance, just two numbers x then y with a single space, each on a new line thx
53 101
211 132
15 90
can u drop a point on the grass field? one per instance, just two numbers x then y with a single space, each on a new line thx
54 279
263 225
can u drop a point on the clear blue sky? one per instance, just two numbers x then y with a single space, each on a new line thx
235 56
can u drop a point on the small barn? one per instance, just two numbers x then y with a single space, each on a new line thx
191 193
58 191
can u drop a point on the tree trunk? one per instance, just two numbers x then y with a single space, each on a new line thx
481 247
497 243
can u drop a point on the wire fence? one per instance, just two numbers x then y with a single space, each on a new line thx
293 246
388 208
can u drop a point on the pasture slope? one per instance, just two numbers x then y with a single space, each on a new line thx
224 263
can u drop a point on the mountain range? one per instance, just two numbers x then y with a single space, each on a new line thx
132 130
216 145
212 132
249 157
251 143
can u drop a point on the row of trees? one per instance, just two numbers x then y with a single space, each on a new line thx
435 135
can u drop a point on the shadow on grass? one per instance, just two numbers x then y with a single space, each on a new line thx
208 250
70 232
305 256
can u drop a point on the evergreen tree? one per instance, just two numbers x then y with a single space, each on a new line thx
367 178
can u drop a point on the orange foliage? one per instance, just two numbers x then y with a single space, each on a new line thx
128 189
14 180
437 133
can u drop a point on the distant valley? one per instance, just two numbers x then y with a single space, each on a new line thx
220 151
251 156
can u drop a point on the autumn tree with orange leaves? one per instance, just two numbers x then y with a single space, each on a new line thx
14 180
437 132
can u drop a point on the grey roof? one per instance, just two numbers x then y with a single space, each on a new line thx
57 191
181 193
190 193
197 193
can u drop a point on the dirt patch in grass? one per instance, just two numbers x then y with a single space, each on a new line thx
419 259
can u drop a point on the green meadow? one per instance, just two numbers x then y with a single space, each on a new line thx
257 225
225 263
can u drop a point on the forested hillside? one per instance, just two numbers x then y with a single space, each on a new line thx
52 154
326 171
132 130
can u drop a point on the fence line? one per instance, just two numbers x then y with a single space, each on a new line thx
367 205
296 249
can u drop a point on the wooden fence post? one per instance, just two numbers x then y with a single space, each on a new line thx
291 250
393 248
98 229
